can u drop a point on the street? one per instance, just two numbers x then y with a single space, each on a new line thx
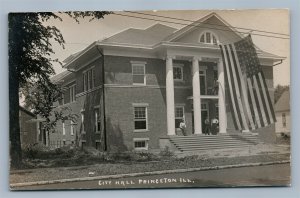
270 175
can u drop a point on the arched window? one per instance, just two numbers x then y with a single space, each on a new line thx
209 38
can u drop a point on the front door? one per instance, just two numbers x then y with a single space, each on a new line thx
204 115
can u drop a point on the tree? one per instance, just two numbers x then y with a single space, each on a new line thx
279 91
30 61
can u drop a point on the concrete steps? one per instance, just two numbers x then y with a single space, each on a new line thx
210 142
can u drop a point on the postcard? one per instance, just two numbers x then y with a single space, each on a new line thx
149 99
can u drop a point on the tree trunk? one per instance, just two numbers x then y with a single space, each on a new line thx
14 125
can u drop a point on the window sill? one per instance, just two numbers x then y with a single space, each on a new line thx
139 84
98 132
140 130
179 80
141 149
83 132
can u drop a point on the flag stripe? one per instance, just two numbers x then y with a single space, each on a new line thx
230 89
261 106
228 93
269 98
263 99
257 103
238 89
234 89
251 106
244 89
254 104
266 99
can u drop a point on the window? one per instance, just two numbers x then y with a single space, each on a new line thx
88 79
283 120
138 73
140 143
202 74
97 120
217 110
140 118
178 73
72 91
83 143
82 122
64 128
208 38
179 115
204 106
64 142
72 127
97 144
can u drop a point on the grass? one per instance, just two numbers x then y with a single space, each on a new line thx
66 163
109 168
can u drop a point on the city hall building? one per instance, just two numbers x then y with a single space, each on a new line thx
132 90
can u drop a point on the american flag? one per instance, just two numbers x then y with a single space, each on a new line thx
249 98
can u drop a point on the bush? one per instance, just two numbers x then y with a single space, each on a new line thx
166 153
38 151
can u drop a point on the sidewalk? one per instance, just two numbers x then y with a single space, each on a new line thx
247 156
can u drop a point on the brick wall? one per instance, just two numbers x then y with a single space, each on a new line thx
85 103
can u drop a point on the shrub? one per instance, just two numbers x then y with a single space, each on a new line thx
38 151
166 153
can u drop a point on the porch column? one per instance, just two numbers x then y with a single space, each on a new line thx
196 97
221 101
170 96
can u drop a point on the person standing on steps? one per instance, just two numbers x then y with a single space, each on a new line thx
182 126
214 126
206 126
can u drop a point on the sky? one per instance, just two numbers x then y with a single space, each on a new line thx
79 36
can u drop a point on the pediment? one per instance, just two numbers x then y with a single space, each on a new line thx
212 24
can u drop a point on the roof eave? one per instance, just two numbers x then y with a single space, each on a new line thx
88 48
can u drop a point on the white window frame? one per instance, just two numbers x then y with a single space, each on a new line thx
204 69
179 106
96 119
72 92
145 105
138 64
211 38
181 68
63 128
82 122
88 77
72 128
146 140
206 109
84 81
63 98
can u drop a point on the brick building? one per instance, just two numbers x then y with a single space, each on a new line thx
132 89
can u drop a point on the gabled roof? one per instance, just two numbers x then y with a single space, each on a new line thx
197 23
283 104
150 36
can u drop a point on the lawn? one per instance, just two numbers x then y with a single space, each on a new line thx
65 164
